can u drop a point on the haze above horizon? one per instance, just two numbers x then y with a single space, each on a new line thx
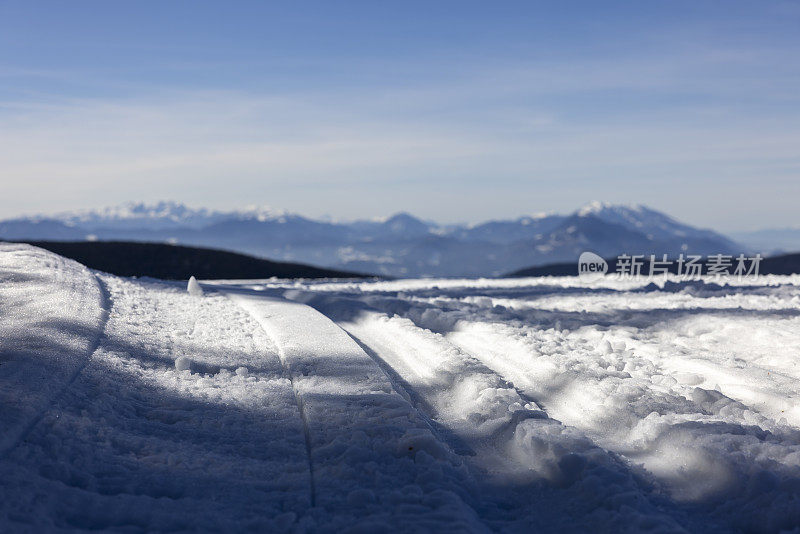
454 111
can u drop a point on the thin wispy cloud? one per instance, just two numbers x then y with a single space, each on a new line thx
371 131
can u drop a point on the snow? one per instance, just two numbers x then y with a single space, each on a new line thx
159 215
353 419
519 405
53 311
182 363
194 288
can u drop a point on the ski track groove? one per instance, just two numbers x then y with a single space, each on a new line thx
427 412
407 391
415 399
298 398
420 405
105 312
489 363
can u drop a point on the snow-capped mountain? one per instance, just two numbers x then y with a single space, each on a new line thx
138 215
400 245
645 220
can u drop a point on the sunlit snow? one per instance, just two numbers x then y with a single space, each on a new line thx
521 405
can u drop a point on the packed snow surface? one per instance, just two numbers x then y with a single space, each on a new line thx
525 405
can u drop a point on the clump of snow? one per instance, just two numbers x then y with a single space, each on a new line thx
241 371
183 363
193 287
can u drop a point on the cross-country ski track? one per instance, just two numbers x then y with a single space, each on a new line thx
533 405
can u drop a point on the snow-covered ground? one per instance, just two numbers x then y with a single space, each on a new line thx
526 405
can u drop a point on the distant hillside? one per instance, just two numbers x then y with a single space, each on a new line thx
398 246
173 262
785 264
772 240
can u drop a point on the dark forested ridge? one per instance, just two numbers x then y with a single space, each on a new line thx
174 262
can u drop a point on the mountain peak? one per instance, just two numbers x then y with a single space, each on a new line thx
597 207
402 216
166 209
261 213
405 223
161 214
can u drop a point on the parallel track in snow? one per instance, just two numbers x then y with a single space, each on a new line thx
436 377
421 406
105 312
298 396
363 427
500 432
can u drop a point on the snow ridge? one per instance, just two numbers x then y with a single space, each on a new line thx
84 291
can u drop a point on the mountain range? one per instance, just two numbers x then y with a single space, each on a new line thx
772 241
400 245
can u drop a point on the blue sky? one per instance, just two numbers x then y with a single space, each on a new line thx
454 111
